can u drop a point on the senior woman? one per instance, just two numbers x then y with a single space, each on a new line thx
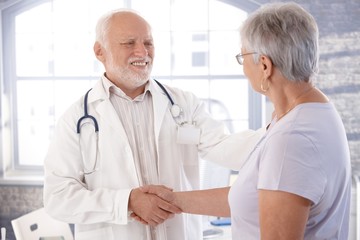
296 183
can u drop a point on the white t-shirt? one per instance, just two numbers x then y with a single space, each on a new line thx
305 153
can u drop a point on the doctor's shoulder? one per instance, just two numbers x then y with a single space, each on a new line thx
183 97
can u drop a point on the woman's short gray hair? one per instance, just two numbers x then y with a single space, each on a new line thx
288 35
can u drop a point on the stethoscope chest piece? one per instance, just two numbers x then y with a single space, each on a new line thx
175 110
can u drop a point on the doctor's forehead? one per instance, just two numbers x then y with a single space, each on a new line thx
130 29
129 20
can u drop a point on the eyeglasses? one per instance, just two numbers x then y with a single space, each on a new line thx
240 57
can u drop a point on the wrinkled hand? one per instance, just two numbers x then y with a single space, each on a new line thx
149 208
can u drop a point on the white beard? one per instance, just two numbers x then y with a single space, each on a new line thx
128 77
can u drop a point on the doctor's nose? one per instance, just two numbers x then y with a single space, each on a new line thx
141 50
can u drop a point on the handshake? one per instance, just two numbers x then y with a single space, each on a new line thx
153 204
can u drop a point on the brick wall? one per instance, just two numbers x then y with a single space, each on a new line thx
16 201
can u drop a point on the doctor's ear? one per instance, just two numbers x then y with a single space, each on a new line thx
99 51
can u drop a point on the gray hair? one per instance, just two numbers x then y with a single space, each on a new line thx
102 26
288 35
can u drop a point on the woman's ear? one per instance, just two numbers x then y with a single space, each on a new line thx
267 66
99 51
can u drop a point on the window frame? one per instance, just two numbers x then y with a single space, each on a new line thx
11 171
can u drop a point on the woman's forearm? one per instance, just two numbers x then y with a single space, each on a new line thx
212 202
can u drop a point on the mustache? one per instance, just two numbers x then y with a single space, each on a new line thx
143 59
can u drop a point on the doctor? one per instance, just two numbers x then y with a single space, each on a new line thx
129 131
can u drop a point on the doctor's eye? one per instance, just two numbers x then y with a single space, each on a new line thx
149 43
128 43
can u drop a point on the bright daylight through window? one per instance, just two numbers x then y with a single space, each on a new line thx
50 64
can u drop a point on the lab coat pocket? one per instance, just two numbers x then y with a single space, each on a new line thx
96 234
188 134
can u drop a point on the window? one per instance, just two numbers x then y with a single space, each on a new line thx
49 63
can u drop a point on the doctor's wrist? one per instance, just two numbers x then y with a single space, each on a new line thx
134 194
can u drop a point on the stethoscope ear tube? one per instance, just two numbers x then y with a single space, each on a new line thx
175 109
166 92
86 115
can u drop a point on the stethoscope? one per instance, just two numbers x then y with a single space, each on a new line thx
87 115
184 131
175 109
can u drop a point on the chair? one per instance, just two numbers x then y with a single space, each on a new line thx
38 225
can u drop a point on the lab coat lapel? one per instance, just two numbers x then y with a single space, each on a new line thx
110 118
160 105
108 114
105 110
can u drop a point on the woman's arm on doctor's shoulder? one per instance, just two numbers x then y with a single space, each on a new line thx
212 202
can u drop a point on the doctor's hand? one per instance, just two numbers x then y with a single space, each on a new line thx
149 208
162 192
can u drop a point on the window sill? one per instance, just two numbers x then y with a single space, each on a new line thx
20 177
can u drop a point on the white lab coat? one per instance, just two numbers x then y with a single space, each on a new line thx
94 194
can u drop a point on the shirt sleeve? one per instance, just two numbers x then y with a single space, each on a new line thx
290 162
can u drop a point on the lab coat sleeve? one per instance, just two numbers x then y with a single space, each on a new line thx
66 195
228 150
233 150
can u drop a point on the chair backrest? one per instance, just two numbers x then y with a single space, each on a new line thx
38 225
213 175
